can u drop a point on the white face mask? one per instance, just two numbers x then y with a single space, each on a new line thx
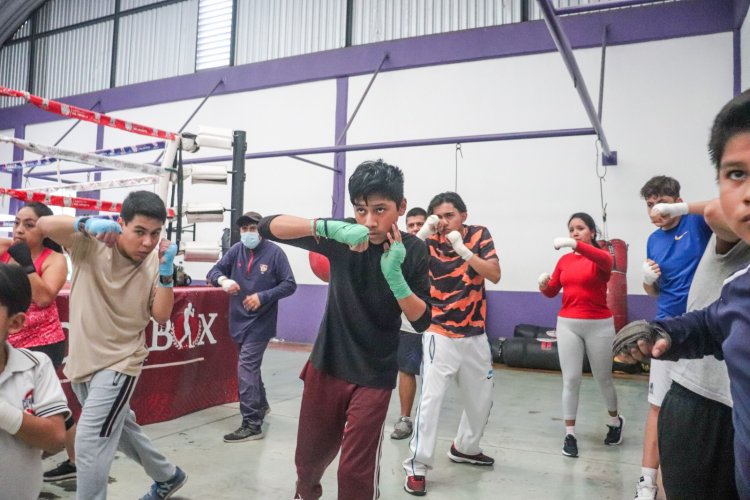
250 239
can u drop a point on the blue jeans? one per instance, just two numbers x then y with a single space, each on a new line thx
253 402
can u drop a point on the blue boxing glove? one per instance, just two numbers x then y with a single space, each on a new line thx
166 266
96 227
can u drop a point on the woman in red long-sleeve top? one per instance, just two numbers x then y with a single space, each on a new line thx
584 324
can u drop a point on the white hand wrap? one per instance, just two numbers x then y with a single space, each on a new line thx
559 243
543 278
669 209
226 283
428 228
457 242
11 418
649 275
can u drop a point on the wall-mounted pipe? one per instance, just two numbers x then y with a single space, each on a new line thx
510 136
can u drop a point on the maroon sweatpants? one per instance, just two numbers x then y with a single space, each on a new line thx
336 414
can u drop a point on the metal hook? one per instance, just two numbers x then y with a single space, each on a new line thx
458 151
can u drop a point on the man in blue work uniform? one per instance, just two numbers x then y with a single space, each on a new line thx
256 274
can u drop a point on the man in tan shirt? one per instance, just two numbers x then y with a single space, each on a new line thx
118 283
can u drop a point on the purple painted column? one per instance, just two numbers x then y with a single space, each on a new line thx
16 179
97 176
339 159
737 56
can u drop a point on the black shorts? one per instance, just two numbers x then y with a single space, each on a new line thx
56 352
410 352
696 446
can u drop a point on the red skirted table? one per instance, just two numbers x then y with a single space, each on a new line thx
192 363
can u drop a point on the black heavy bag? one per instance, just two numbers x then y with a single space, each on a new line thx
536 353
532 331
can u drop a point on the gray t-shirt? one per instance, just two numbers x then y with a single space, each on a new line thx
708 376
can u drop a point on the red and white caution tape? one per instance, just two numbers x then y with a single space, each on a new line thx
70 111
125 150
68 201
87 158
98 185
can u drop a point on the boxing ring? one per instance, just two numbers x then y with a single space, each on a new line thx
192 360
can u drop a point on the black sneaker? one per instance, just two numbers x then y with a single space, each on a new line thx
478 459
65 470
244 433
614 434
570 446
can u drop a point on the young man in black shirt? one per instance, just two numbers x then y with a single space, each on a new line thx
377 272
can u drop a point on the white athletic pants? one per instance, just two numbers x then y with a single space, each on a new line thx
594 337
469 361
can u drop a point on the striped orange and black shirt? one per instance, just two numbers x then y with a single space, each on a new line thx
459 302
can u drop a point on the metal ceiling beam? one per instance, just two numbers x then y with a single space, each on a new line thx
509 136
562 43
595 7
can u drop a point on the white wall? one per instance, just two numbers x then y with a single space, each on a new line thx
274 119
660 98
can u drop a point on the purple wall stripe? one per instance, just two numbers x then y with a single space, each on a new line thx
632 25
737 61
300 314
16 178
339 159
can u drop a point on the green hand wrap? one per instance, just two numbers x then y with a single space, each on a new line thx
343 232
390 264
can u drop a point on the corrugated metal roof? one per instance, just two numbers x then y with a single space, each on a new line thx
272 29
59 13
157 43
380 20
14 68
74 62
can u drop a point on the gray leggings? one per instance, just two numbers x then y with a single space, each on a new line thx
595 336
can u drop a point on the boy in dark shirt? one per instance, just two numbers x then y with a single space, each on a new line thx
377 272
723 328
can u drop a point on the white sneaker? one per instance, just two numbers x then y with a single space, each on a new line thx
645 489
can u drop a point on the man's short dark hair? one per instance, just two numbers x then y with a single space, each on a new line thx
15 289
143 203
447 197
733 119
661 185
416 212
376 178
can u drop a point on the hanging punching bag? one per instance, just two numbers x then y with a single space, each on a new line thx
320 266
617 288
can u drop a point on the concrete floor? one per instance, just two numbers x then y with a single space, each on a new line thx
524 435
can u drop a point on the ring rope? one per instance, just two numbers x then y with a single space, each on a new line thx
124 150
87 158
68 201
76 113
99 185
